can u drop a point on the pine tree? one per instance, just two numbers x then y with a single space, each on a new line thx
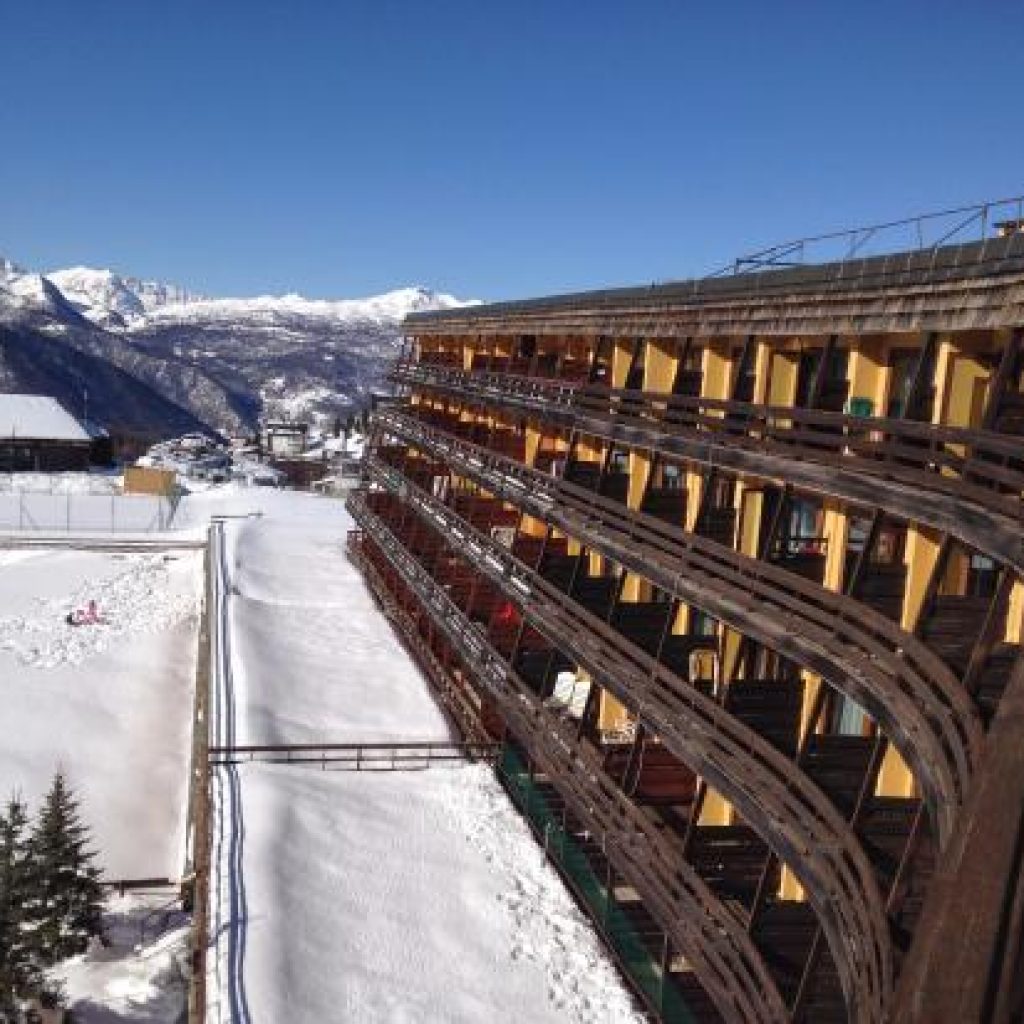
66 893
21 974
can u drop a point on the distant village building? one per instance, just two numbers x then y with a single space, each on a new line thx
38 434
150 480
286 439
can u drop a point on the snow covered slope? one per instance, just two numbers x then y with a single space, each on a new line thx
299 358
391 307
416 896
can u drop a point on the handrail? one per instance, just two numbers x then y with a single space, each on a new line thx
954 464
789 812
910 692
794 251
199 833
444 746
709 933
364 756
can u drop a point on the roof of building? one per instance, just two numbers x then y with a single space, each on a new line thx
286 427
994 256
38 417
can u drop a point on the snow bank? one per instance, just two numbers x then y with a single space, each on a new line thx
62 483
314 658
141 975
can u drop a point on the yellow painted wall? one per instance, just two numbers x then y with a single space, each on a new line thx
922 550
639 471
716 810
612 716
622 356
533 436
716 370
1015 615
783 373
660 362
867 372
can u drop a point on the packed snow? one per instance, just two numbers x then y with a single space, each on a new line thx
405 896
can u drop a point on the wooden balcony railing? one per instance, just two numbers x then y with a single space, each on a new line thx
796 820
909 691
944 476
709 934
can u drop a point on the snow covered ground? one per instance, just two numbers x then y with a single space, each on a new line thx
110 704
405 897
368 897
141 975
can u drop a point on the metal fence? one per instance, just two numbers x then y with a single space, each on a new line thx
48 511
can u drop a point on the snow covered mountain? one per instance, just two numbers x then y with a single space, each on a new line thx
298 358
111 300
225 361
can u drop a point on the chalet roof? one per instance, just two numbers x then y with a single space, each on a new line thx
38 417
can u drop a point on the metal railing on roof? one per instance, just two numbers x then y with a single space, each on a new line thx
919 233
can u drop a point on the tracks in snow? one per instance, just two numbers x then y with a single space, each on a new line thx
227 893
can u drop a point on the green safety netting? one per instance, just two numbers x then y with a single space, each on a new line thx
566 852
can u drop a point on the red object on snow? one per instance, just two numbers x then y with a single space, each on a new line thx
88 616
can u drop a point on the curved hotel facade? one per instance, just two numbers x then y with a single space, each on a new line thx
732 570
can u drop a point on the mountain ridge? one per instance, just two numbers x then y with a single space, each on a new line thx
225 361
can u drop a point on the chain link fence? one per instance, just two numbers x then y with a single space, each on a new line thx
74 512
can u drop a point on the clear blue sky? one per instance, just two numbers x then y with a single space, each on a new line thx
488 148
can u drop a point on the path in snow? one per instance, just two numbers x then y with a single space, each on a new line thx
407 897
